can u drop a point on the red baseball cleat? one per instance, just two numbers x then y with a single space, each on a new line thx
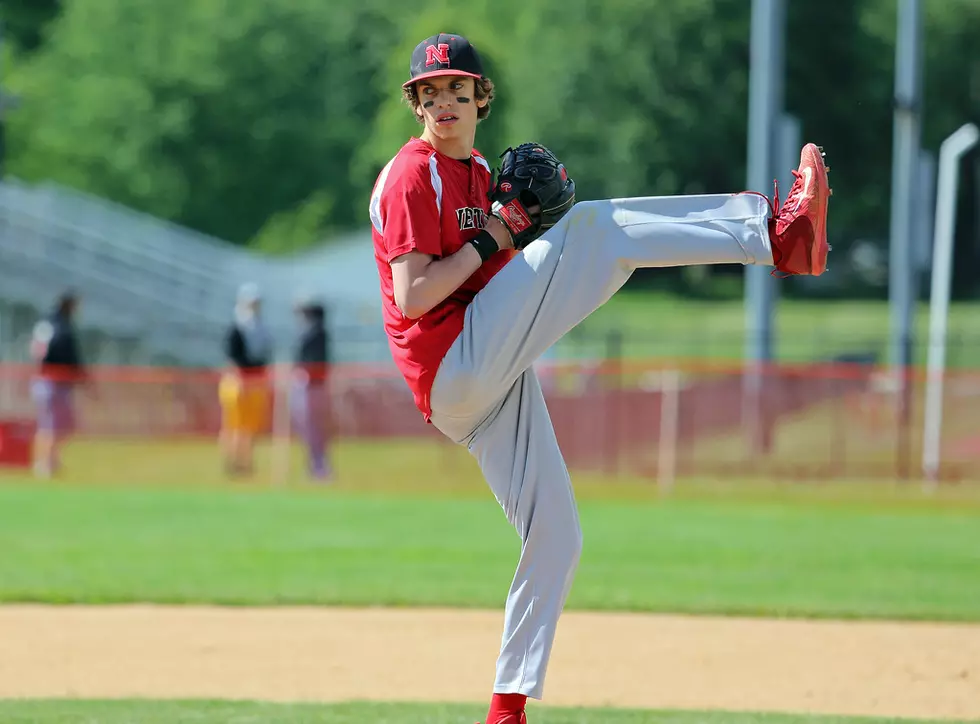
798 230
507 709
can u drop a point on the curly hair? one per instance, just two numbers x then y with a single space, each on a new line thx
483 88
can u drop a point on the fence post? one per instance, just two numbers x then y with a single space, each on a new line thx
840 425
669 423
613 395
905 401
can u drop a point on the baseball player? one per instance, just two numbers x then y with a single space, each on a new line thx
479 277
56 351
243 389
310 395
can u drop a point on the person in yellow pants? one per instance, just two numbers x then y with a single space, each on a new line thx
244 390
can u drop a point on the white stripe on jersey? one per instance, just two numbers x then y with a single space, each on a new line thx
483 162
436 181
376 197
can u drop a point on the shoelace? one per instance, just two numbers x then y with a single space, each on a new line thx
797 190
774 201
794 193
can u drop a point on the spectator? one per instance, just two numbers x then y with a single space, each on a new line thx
244 387
54 348
310 394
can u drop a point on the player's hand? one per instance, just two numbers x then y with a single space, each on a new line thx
501 234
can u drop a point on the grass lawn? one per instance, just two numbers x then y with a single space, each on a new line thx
665 326
805 554
180 712
439 468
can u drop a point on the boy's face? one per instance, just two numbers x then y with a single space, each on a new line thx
448 106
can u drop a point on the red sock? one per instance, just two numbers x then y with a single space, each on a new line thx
506 708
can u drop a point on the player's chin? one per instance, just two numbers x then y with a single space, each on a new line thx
448 130
442 131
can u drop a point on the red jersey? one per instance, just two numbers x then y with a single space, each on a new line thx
431 203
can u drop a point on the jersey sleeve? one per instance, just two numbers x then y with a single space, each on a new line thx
411 218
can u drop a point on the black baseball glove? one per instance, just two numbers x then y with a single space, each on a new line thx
530 176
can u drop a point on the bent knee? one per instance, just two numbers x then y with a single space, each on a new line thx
584 212
565 538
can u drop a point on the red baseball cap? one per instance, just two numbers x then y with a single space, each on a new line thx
444 54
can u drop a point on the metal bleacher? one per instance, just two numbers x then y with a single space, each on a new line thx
153 291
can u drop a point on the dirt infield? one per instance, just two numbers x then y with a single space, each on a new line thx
623 660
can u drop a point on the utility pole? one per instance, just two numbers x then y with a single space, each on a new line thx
905 170
766 82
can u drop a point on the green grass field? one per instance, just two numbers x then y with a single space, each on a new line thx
319 546
169 712
438 468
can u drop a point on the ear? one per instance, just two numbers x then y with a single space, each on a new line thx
480 102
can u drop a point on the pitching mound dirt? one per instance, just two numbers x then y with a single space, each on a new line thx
885 669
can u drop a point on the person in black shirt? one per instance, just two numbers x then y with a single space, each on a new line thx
55 350
244 388
310 394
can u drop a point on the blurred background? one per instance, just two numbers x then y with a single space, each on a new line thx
175 164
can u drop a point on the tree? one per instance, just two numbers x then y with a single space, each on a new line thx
213 119
26 21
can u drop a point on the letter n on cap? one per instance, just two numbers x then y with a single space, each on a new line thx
437 54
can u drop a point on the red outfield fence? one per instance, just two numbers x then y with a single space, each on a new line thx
637 418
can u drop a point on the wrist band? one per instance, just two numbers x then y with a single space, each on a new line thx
485 244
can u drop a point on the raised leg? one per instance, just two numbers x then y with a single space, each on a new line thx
561 278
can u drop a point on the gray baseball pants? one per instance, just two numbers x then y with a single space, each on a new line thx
487 397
